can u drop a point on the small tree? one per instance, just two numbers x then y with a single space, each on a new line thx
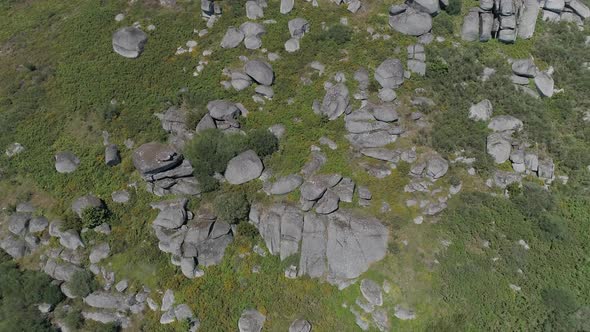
263 142
94 216
82 283
454 7
231 207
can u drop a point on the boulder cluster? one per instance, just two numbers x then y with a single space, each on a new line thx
24 232
249 32
574 11
165 170
298 27
254 71
370 302
222 115
524 70
503 147
191 240
339 246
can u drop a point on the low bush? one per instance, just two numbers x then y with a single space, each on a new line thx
338 33
232 207
454 7
95 216
82 283
263 142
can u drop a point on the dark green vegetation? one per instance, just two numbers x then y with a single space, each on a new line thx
83 283
20 293
211 150
232 207
475 280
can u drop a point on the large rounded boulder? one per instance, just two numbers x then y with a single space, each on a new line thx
243 168
260 71
129 42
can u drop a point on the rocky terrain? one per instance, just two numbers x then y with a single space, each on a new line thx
294 165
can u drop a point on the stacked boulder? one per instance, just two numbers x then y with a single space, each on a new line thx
173 121
353 6
508 19
424 174
191 240
210 11
298 27
223 115
339 246
254 71
370 301
373 126
502 147
335 103
524 69
413 18
574 11
390 75
165 170
416 59
249 32
23 232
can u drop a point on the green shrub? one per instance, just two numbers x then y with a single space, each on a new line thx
560 300
94 216
454 7
263 142
443 24
338 33
232 207
82 283
211 150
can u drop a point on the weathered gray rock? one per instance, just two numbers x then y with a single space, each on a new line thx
381 154
223 110
206 122
183 312
70 239
385 113
151 158
354 243
318 159
411 22
481 111
336 101
499 147
528 19
470 29
232 38
107 318
328 203
13 246
111 155
555 5
99 252
66 162
486 24
390 73
86 202
404 314
544 83
240 81
167 300
292 45
129 42
172 213
38 224
18 222
546 169
505 123
104 300
300 325
253 10
580 8
251 321
436 167
243 168
298 27
252 29
14 149
524 67
260 71
372 292
287 6
284 185
431 7
120 196
371 140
